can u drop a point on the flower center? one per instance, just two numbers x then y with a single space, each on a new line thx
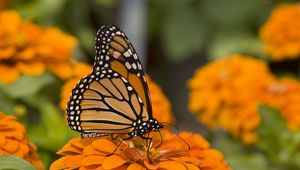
138 150
8 62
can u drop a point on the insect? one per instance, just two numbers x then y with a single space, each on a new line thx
114 99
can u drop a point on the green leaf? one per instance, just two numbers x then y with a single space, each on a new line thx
232 13
296 160
14 163
46 12
248 161
182 35
7 104
230 43
26 86
47 157
53 131
227 144
275 140
107 3
271 120
238 156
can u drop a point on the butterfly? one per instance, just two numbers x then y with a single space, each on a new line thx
114 98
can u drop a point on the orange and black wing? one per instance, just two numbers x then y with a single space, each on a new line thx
115 51
104 103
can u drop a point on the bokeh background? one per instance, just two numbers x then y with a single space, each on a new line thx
229 69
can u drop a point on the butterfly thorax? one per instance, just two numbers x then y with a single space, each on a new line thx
143 127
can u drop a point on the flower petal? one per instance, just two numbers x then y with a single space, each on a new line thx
58 164
11 146
8 74
7 53
26 54
31 68
93 160
171 165
90 150
113 161
69 150
192 167
91 167
104 145
149 165
62 70
2 140
73 161
82 69
136 166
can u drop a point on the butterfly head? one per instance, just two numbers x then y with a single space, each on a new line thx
155 125
142 128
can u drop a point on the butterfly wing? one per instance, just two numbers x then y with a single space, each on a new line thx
104 103
115 51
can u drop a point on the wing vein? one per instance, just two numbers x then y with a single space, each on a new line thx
109 110
106 122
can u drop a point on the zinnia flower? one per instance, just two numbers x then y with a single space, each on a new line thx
26 48
13 141
160 103
284 95
78 71
94 153
280 34
226 93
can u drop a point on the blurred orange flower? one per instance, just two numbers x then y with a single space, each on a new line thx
13 141
26 48
78 71
160 103
285 96
280 34
226 93
93 153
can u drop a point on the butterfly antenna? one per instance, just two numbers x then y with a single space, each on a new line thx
161 139
174 132
169 126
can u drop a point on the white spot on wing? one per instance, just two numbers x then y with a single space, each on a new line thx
134 66
128 65
126 54
129 88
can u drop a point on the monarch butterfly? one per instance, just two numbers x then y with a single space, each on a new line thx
114 99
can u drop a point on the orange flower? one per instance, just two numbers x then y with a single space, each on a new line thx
285 96
78 71
226 93
280 34
13 141
26 48
93 153
160 103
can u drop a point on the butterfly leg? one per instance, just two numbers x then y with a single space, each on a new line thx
114 138
148 146
147 138
119 143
